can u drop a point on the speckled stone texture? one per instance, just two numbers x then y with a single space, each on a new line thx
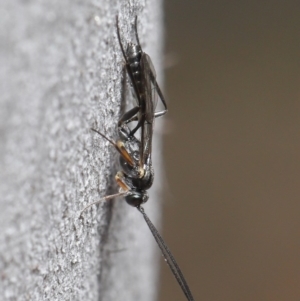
60 74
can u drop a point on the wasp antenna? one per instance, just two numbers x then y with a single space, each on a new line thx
106 138
168 256
109 197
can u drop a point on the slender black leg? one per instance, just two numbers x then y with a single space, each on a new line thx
128 116
161 96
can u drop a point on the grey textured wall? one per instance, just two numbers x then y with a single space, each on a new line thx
61 74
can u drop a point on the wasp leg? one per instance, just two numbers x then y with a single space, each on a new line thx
121 182
161 96
129 116
140 122
120 147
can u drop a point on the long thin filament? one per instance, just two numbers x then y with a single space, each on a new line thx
103 199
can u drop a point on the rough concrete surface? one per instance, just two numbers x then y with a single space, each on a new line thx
60 73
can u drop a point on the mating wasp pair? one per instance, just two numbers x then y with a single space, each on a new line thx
137 172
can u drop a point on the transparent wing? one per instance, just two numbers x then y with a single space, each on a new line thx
150 77
150 101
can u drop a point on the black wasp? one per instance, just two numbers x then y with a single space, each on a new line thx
137 173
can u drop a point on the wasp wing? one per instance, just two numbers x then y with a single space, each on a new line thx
149 103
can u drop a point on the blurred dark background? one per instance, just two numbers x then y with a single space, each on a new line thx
232 156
